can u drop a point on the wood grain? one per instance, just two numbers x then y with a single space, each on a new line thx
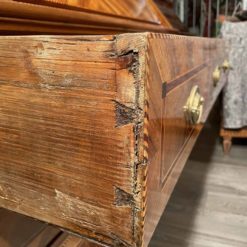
85 129
57 166
83 17
137 9
169 139
206 208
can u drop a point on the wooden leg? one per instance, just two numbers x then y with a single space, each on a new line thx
227 144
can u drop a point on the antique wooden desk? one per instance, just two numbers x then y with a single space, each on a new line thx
95 130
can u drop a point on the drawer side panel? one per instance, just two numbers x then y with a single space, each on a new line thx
67 138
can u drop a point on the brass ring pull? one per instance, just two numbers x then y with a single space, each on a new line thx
216 75
194 107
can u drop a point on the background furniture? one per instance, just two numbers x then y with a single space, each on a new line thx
235 92
229 134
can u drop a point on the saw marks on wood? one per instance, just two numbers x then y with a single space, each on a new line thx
209 205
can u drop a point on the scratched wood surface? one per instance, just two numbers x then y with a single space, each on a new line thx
82 122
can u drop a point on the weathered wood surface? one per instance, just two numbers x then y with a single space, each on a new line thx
55 163
82 123
186 221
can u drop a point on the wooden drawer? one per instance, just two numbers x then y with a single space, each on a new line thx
191 63
175 129
171 138
85 127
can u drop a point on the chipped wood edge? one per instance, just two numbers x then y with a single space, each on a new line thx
136 45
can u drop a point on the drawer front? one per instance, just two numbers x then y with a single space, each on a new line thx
175 129
176 65
177 55
182 62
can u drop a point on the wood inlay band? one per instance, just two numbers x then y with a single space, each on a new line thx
176 82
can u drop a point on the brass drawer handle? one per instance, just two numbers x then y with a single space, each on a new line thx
194 107
217 72
226 65
216 75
